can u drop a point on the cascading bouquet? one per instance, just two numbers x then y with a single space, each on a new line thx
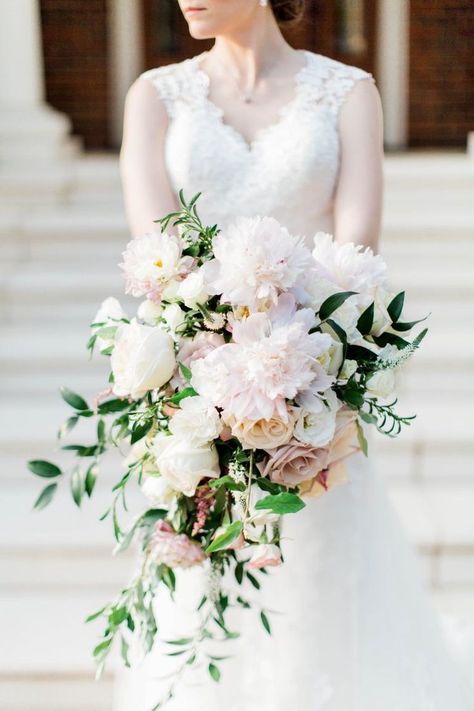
239 388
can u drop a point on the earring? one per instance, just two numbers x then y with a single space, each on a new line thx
263 3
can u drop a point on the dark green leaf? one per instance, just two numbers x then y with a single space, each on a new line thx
395 307
408 325
340 333
40 467
265 622
416 342
281 503
228 482
366 320
267 485
392 339
180 642
139 431
90 480
253 580
73 399
67 426
101 430
46 496
333 302
359 353
239 572
214 672
225 539
115 405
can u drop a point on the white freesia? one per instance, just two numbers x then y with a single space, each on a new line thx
149 311
152 262
197 420
143 359
158 492
110 314
192 290
349 266
255 259
184 464
381 383
316 423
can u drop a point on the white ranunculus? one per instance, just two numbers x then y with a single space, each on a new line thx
174 317
381 383
192 290
143 359
149 311
110 313
316 423
184 464
158 492
197 420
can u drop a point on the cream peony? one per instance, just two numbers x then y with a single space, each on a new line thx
158 492
153 262
143 359
196 421
184 464
350 267
272 358
255 260
149 311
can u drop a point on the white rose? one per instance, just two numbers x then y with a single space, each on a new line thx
143 359
197 421
192 290
149 311
316 423
184 464
346 316
110 313
382 320
174 317
158 492
263 434
348 369
381 383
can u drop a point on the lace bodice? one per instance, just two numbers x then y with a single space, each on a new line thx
288 171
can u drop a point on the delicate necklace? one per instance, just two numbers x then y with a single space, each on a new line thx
245 96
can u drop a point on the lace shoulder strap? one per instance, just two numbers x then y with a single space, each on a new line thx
329 82
177 82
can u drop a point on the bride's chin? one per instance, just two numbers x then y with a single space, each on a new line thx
201 30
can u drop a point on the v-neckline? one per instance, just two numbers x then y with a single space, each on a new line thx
262 132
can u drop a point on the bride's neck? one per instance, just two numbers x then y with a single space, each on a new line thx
253 50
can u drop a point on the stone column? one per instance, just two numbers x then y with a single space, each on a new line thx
30 130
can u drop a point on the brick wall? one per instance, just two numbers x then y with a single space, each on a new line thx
441 106
75 57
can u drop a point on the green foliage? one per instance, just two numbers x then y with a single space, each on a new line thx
332 303
282 503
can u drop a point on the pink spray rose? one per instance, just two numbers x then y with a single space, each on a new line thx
265 555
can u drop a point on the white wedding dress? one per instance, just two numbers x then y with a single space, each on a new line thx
355 630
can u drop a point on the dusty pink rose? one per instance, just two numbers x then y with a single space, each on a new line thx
325 480
294 463
265 555
345 441
194 349
173 549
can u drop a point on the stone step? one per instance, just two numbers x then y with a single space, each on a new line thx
36 691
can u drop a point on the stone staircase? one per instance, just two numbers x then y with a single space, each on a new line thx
57 262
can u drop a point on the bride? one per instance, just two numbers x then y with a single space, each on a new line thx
261 128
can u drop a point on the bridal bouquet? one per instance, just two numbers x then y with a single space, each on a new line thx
238 390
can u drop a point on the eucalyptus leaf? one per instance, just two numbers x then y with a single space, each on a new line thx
73 399
45 496
45 469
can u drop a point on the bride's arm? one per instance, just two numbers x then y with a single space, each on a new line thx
146 188
358 199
